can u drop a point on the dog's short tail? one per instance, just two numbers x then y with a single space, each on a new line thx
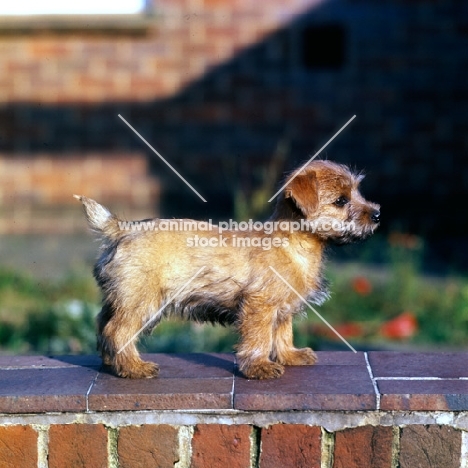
100 219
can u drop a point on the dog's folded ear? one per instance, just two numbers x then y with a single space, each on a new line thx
303 190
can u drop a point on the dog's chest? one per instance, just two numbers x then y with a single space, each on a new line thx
307 261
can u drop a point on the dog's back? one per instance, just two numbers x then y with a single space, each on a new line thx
147 274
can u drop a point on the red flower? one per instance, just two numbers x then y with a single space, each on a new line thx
401 327
350 330
346 330
362 285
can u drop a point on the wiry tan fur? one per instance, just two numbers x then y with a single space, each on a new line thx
141 272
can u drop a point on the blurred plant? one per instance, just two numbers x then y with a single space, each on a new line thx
395 302
252 204
402 327
39 316
187 337
371 306
362 285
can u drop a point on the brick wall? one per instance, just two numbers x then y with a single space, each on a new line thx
214 85
186 40
36 192
61 93
230 444
350 410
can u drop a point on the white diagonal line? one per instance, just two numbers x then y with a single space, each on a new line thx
159 155
373 380
161 309
312 158
312 309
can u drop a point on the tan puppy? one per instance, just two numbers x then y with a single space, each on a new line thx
248 277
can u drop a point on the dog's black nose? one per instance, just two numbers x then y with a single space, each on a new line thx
375 216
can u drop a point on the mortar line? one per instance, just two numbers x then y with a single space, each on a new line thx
396 446
373 380
42 444
332 420
327 448
420 378
464 450
185 435
112 438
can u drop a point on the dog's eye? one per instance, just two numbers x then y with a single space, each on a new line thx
341 201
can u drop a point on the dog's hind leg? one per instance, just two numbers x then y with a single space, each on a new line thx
102 319
117 342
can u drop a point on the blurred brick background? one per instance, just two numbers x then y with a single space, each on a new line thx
215 85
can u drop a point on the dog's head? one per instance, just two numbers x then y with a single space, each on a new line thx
327 195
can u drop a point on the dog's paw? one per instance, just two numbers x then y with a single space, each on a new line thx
143 370
106 359
299 357
263 370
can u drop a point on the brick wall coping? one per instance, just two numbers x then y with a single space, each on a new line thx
136 23
208 383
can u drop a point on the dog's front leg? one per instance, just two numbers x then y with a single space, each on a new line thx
284 351
255 347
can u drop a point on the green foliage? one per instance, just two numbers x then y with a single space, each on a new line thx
370 296
65 327
252 204
182 337
46 316
59 317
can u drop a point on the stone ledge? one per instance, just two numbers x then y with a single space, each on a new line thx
137 23
341 381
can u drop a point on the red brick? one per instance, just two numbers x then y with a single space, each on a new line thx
285 445
430 447
363 447
221 446
148 446
77 445
18 446
48 48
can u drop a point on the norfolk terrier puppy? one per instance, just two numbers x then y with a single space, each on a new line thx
250 278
